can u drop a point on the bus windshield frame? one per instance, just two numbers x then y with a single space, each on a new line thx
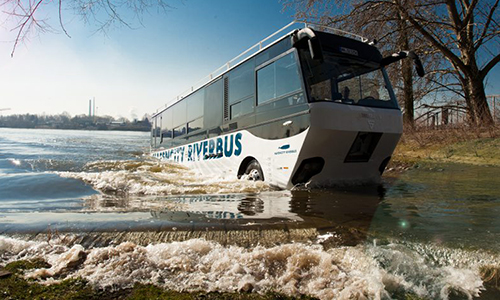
347 80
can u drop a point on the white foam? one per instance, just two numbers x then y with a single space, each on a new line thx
14 246
357 272
157 178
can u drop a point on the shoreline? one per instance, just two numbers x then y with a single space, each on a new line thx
82 129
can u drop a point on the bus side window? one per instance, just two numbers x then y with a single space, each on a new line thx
241 90
153 132
195 125
278 79
179 118
161 133
241 82
180 130
195 109
241 108
166 126
212 110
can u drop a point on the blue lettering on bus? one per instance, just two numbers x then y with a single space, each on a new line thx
237 142
212 149
218 149
228 152
182 153
190 153
205 148
199 148
211 146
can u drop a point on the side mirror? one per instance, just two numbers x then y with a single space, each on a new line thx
315 49
405 54
419 67
312 41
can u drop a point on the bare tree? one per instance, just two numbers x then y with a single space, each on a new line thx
464 32
392 33
467 33
26 17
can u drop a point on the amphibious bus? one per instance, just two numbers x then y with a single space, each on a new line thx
314 106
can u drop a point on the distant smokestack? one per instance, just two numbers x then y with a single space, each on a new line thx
90 108
93 110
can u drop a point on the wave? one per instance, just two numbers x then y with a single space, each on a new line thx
363 271
149 177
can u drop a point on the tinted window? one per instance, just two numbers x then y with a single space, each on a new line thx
347 80
195 125
241 82
287 75
166 125
242 108
195 105
213 105
178 131
179 113
273 51
278 79
266 84
197 136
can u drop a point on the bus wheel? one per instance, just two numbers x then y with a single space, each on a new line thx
254 171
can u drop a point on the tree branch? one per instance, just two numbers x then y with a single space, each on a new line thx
23 24
60 19
470 12
489 66
489 19
446 52
453 12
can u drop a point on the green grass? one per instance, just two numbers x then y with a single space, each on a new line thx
448 146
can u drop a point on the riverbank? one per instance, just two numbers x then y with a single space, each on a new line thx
81 122
451 145
14 286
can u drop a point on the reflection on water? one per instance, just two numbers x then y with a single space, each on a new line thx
347 213
454 205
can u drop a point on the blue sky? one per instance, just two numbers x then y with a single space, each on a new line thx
131 72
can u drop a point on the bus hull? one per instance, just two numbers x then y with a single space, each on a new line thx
277 158
332 132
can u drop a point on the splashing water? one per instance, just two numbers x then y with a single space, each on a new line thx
374 272
151 177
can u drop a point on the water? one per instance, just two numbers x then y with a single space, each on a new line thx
93 206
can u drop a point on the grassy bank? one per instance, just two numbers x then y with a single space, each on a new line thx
479 146
14 286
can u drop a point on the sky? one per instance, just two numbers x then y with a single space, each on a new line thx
133 72
130 72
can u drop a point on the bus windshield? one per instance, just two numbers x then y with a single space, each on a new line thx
348 80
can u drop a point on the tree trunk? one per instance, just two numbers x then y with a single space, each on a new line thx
473 86
407 75
406 70
482 115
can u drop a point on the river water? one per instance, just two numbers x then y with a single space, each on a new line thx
93 205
